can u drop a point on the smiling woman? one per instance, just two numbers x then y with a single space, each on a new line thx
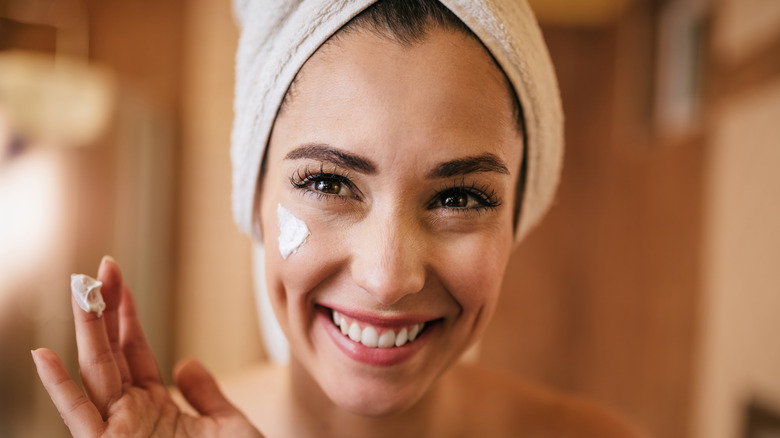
389 168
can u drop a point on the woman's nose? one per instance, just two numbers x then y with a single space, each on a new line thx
388 257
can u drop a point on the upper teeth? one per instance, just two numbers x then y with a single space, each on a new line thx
370 336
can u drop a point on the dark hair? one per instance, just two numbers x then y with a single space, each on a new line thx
407 22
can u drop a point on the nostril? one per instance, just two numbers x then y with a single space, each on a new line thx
389 285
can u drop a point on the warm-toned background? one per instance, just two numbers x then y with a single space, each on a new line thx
653 285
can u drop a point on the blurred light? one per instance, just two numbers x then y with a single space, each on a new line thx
30 211
680 65
58 101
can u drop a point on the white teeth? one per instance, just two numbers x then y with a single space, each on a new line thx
355 332
369 336
413 333
402 337
415 330
344 327
387 339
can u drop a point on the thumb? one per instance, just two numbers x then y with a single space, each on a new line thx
200 389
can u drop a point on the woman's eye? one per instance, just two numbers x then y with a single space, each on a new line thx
324 184
328 187
455 200
465 199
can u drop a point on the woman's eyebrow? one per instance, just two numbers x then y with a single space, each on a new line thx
326 153
463 166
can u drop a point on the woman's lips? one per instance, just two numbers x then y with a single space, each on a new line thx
383 342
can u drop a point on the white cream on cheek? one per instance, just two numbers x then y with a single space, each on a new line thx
292 232
86 290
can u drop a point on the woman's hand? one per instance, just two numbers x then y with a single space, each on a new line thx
125 396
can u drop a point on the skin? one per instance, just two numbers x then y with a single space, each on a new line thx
416 224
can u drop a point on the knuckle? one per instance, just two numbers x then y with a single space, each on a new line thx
75 405
99 359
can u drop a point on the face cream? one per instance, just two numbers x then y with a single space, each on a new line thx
86 290
292 232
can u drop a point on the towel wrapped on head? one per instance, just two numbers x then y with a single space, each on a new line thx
278 36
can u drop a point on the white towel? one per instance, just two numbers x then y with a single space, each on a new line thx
278 36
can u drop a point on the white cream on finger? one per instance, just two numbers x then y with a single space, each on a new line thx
292 232
86 291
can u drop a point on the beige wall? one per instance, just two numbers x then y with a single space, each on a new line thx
214 314
745 26
740 357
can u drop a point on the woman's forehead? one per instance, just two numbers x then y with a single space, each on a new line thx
444 94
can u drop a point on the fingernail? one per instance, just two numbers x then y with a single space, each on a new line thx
107 258
32 352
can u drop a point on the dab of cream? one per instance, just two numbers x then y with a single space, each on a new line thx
292 232
86 290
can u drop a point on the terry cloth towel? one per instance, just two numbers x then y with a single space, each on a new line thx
278 36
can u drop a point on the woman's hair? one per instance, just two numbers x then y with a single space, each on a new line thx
406 21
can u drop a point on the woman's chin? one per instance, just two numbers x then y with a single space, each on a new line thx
375 402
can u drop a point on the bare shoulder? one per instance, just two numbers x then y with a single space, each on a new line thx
515 407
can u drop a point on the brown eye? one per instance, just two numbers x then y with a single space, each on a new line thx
455 200
329 187
326 186
465 199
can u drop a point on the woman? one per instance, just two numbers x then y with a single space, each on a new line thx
409 146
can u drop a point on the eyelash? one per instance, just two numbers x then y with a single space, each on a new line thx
303 179
485 197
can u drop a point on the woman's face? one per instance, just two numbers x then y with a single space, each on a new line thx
403 162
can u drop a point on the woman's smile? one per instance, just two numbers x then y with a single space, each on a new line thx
382 342
377 332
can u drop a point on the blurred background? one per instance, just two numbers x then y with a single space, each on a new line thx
653 285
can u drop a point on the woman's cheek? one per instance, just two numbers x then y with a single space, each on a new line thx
315 251
472 270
